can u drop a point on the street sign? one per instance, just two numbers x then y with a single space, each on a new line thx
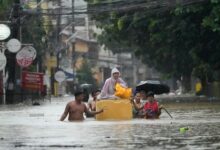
13 45
60 76
32 80
69 74
26 56
3 61
4 31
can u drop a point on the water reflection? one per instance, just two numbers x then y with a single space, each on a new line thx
28 127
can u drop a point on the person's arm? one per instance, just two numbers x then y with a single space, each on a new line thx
93 112
135 105
159 108
104 92
65 113
89 105
122 82
93 105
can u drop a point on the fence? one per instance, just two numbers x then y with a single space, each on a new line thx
25 96
213 90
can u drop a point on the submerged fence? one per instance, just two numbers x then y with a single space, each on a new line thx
213 90
25 96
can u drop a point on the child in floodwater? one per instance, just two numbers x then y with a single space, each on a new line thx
92 103
137 106
151 107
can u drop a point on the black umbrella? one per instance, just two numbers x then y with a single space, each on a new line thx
154 86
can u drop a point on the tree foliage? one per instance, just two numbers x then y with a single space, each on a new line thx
5 6
177 42
33 32
32 27
85 75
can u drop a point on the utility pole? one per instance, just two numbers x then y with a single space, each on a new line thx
11 60
58 33
57 50
73 30
73 43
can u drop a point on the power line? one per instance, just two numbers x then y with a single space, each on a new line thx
119 6
106 7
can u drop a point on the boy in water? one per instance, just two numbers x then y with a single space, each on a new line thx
151 107
92 103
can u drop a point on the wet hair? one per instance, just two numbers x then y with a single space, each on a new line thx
143 92
77 93
95 91
150 93
137 92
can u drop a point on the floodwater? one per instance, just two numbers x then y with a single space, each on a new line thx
26 127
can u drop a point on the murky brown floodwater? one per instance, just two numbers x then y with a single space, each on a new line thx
25 127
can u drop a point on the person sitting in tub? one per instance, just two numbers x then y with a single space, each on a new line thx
108 90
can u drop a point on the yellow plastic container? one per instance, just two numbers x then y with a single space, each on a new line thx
114 109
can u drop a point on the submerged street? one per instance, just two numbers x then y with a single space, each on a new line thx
29 127
110 49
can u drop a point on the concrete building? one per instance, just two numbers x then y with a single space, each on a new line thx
87 47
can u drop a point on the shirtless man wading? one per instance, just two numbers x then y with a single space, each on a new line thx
76 108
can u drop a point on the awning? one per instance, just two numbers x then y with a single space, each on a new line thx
69 74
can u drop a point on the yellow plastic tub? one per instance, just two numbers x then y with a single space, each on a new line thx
114 109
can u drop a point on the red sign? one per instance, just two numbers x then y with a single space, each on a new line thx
26 56
32 80
25 62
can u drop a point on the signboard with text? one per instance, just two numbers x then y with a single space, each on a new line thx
60 76
26 56
32 80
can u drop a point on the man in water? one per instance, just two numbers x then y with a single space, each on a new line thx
76 108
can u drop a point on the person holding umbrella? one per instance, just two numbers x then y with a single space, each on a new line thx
152 110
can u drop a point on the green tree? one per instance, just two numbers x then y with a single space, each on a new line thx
85 75
212 20
33 32
211 54
176 42
5 6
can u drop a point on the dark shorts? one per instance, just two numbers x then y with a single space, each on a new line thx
151 114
